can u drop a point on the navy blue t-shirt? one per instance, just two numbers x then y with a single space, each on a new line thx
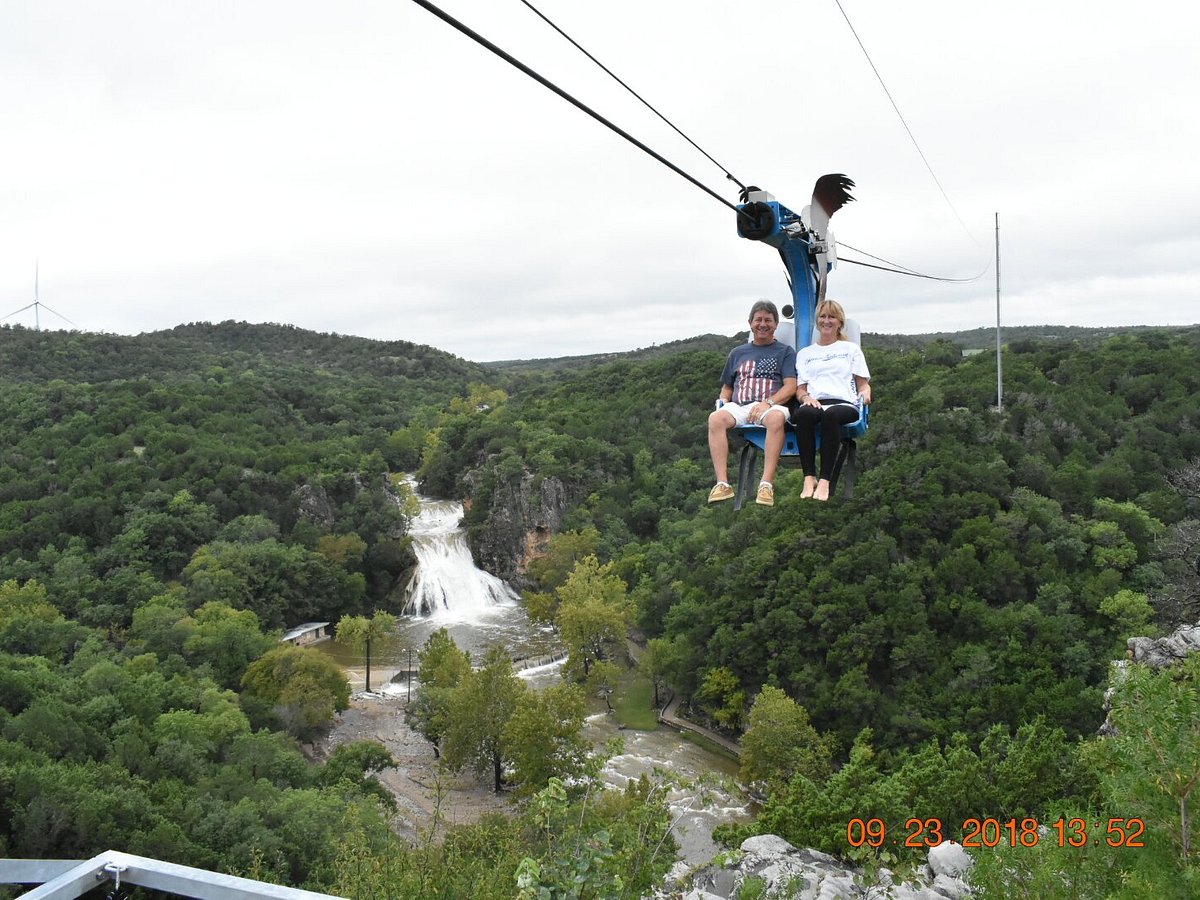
755 372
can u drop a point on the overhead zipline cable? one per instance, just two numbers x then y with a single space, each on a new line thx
643 100
513 61
545 82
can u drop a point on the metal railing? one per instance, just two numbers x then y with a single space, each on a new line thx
68 879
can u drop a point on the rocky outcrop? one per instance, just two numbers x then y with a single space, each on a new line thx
524 511
313 503
1155 653
777 869
1159 653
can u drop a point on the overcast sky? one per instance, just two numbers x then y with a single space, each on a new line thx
362 168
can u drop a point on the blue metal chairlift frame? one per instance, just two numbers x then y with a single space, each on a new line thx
803 258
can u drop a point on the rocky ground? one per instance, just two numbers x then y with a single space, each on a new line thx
424 794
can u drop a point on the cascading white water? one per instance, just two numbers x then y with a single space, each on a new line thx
447 584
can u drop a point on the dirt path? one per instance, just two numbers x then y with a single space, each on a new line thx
423 792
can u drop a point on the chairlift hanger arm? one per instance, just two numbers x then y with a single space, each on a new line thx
803 240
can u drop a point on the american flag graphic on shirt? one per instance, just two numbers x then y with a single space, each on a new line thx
756 380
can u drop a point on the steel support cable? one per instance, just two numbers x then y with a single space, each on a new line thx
909 272
546 83
877 258
905 270
911 136
643 100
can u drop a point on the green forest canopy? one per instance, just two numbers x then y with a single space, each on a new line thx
157 491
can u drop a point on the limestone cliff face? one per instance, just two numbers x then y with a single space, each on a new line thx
523 511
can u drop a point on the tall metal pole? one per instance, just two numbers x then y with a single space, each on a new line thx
999 366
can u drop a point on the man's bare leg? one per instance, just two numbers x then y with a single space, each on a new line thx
719 423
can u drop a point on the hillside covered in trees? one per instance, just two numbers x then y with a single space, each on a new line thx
975 589
171 500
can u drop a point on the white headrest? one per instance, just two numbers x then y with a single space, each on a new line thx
853 332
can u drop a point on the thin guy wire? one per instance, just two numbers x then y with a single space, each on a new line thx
910 272
643 100
911 136
876 258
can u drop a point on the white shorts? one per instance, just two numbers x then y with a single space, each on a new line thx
741 414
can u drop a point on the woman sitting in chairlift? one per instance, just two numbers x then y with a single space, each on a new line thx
834 383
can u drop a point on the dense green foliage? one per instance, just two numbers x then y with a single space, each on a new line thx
490 720
588 842
974 579
141 753
939 643
122 457
947 633
166 501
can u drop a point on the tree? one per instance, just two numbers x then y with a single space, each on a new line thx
359 632
226 640
722 696
593 614
345 550
353 764
653 665
544 736
780 742
1152 763
30 624
443 666
164 531
161 625
478 711
602 680
304 688
563 552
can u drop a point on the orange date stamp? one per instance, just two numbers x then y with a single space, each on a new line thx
991 832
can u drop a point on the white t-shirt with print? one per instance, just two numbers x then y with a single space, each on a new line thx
829 370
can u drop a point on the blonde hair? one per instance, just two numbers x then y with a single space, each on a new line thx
833 308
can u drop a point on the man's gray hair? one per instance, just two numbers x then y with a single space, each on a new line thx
764 306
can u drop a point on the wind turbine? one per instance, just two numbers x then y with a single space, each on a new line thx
37 305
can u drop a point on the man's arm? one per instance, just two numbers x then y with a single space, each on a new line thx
785 393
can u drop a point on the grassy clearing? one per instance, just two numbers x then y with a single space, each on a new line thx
632 702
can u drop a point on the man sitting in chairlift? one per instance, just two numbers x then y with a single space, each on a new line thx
758 380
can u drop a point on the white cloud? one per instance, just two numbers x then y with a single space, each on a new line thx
362 168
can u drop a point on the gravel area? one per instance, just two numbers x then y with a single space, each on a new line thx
424 792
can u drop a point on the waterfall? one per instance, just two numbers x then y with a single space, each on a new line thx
447 583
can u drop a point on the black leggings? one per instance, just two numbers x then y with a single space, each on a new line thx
832 415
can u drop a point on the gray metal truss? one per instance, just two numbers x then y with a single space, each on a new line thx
67 879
